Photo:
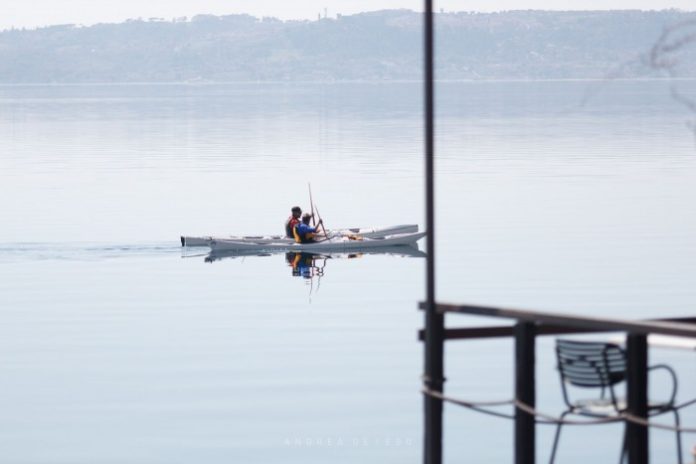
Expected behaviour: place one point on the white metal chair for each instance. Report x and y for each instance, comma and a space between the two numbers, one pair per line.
601, 366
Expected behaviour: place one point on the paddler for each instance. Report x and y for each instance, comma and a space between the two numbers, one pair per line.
293, 221
303, 232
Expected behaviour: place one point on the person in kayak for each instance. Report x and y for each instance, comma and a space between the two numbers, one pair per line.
303, 232
293, 221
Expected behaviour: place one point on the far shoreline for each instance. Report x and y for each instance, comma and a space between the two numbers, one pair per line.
338, 82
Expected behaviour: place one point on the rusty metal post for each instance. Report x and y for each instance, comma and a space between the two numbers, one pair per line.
434, 321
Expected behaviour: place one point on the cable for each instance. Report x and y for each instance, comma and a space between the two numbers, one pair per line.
549, 419
647, 423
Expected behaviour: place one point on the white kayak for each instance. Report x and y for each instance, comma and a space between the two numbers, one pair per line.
338, 244
375, 232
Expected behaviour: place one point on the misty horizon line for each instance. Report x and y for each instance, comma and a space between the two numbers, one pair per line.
320, 17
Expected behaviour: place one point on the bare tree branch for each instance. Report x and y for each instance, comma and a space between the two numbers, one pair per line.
665, 56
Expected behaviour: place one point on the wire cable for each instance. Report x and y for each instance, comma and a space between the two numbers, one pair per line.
548, 419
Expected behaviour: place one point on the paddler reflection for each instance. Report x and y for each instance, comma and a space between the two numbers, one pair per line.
308, 265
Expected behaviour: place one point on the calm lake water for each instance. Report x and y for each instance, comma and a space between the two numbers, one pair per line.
117, 347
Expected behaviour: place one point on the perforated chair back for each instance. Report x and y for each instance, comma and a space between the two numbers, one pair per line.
590, 364
601, 366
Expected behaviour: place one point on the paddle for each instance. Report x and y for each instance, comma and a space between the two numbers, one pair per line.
322, 224
311, 204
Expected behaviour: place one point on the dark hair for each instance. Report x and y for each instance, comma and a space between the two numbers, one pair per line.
296, 209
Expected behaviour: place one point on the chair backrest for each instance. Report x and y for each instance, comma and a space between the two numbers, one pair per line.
590, 364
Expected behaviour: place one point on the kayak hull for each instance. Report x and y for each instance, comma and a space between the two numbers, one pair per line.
338, 244
192, 241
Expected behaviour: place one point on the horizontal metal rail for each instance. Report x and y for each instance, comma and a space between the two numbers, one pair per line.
676, 327
462, 333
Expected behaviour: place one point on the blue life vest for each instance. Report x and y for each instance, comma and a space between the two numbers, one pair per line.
304, 233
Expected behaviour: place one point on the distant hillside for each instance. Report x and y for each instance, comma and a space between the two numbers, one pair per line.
384, 45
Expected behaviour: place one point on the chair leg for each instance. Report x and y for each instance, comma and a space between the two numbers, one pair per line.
556, 438
679, 443
624, 445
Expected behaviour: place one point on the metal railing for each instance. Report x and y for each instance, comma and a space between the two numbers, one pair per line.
528, 325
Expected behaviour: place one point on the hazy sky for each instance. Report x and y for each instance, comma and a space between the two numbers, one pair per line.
33, 13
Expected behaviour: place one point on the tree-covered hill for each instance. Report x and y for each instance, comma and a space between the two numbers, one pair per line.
383, 45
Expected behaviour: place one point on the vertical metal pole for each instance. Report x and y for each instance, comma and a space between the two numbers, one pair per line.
637, 371
434, 322
525, 433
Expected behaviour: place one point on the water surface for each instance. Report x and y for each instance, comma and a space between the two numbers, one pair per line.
118, 348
